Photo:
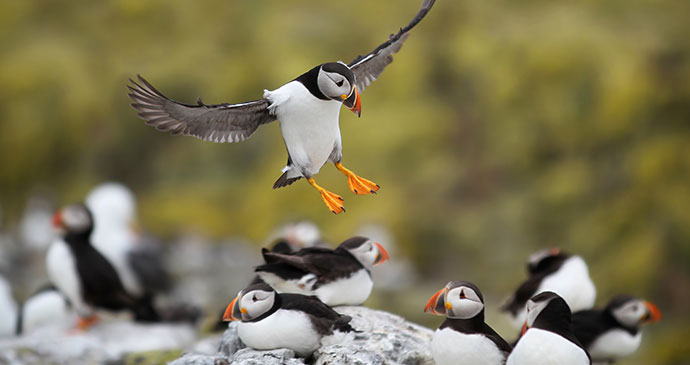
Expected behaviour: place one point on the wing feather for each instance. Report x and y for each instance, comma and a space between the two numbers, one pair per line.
216, 123
369, 67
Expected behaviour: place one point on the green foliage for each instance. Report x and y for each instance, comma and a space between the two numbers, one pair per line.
501, 127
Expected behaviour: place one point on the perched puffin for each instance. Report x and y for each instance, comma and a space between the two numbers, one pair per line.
557, 271
547, 335
270, 320
83, 274
139, 264
614, 332
337, 277
46, 306
464, 337
308, 109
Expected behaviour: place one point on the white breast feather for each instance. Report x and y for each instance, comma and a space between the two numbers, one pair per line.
572, 282
352, 290
62, 270
538, 346
282, 329
8, 309
452, 347
309, 125
44, 308
614, 344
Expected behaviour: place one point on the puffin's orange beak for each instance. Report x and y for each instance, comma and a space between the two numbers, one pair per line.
524, 329
653, 313
382, 256
233, 311
354, 103
435, 305
57, 220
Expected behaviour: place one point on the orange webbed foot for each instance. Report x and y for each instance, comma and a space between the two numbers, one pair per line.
357, 184
84, 323
333, 201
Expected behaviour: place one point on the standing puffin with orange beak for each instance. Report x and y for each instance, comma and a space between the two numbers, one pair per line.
464, 337
308, 109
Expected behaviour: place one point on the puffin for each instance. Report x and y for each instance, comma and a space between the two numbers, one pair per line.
8, 308
84, 275
269, 320
547, 335
557, 271
464, 337
138, 262
337, 277
614, 332
45, 306
308, 108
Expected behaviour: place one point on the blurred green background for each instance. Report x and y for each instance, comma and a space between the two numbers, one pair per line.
501, 128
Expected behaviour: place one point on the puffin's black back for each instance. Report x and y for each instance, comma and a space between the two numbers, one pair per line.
323, 317
100, 284
557, 318
588, 325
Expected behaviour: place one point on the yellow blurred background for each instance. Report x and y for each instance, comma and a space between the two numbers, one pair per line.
501, 128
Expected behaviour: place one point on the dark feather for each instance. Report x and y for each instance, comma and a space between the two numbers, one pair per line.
369, 67
216, 123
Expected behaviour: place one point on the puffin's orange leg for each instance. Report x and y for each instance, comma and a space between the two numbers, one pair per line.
85, 322
358, 185
333, 201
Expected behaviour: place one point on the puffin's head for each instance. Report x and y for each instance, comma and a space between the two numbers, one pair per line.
458, 299
366, 251
632, 312
543, 259
337, 82
73, 219
538, 303
250, 303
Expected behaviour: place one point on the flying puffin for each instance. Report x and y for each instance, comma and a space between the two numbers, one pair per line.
464, 337
547, 335
337, 277
269, 320
83, 274
308, 108
557, 271
614, 332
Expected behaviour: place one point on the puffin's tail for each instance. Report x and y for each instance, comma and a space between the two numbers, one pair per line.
144, 311
284, 180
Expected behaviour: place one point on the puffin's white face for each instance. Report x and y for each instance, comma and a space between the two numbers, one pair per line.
462, 302
369, 253
255, 303
73, 218
334, 85
635, 312
534, 309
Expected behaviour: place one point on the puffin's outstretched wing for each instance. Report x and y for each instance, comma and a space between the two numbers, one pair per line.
215, 123
368, 68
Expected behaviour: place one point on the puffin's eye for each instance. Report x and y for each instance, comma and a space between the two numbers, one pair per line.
254, 298
340, 83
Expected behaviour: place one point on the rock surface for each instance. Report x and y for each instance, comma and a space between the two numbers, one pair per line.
384, 339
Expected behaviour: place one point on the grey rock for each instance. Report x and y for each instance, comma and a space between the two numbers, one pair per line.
384, 338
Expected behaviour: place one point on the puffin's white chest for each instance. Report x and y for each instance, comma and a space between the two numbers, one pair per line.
282, 329
309, 125
538, 346
571, 282
452, 347
44, 308
614, 344
352, 290
62, 270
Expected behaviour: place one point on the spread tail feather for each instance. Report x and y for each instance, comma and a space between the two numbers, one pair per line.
284, 180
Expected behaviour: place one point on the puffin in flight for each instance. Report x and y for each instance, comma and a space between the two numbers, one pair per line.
464, 337
614, 332
308, 108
